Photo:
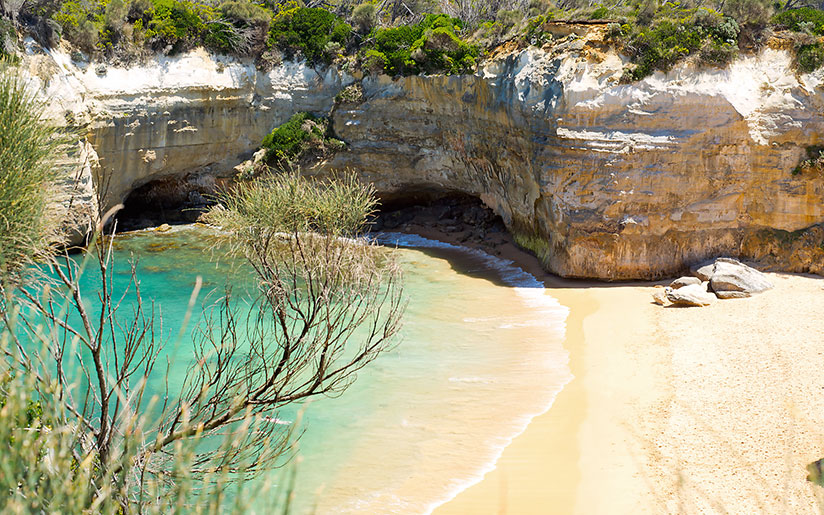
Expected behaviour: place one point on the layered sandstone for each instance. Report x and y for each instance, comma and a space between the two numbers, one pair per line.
600, 179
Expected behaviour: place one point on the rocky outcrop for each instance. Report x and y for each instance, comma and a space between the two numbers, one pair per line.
599, 179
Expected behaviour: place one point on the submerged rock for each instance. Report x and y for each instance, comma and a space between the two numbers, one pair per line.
730, 275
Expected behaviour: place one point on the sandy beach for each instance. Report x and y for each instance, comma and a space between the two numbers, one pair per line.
672, 410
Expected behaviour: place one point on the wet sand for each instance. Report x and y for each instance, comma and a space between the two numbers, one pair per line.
697, 410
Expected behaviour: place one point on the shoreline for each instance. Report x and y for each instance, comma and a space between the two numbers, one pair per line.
515, 276
638, 430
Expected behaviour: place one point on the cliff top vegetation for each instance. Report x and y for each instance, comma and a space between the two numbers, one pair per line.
412, 36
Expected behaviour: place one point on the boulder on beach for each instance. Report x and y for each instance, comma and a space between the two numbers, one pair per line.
690, 295
703, 271
659, 296
684, 281
730, 275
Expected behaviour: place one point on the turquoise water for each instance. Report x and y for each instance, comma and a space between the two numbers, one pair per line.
480, 354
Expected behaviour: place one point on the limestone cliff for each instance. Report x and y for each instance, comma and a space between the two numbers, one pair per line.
600, 179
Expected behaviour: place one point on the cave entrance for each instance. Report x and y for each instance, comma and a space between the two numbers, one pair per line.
442, 215
170, 200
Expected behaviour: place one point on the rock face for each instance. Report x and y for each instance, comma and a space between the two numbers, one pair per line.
177, 116
691, 295
599, 179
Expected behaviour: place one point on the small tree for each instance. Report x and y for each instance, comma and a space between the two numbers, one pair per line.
329, 303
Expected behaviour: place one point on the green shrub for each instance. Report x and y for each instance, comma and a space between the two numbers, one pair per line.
430, 46
81, 21
805, 19
375, 62
28, 145
599, 13
303, 136
308, 31
534, 32
176, 24
677, 33
755, 13
810, 57
244, 12
364, 17
285, 142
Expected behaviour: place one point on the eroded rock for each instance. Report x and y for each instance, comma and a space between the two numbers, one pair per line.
703, 271
690, 295
684, 281
659, 296
730, 275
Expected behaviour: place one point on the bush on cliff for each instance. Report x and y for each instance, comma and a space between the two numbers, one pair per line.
676, 33
301, 138
308, 31
242, 28
431, 46
806, 19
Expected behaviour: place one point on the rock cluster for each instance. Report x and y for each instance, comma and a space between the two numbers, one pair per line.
726, 278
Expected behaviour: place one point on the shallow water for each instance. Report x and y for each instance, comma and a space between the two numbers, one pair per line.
480, 355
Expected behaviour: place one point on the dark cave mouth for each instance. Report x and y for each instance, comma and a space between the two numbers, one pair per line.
181, 200
170, 200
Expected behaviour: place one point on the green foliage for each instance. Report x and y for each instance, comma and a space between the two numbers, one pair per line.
677, 33
286, 141
805, 19
364, 17
534, 32
244, 12
810, 57
289, 203
28, 145
178, 24
307, 31
430, 46
301, 137
754, 13
81, 21
599, 14
375, 62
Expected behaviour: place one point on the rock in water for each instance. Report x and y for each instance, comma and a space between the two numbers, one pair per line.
684, 281
730, 275
690, 295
